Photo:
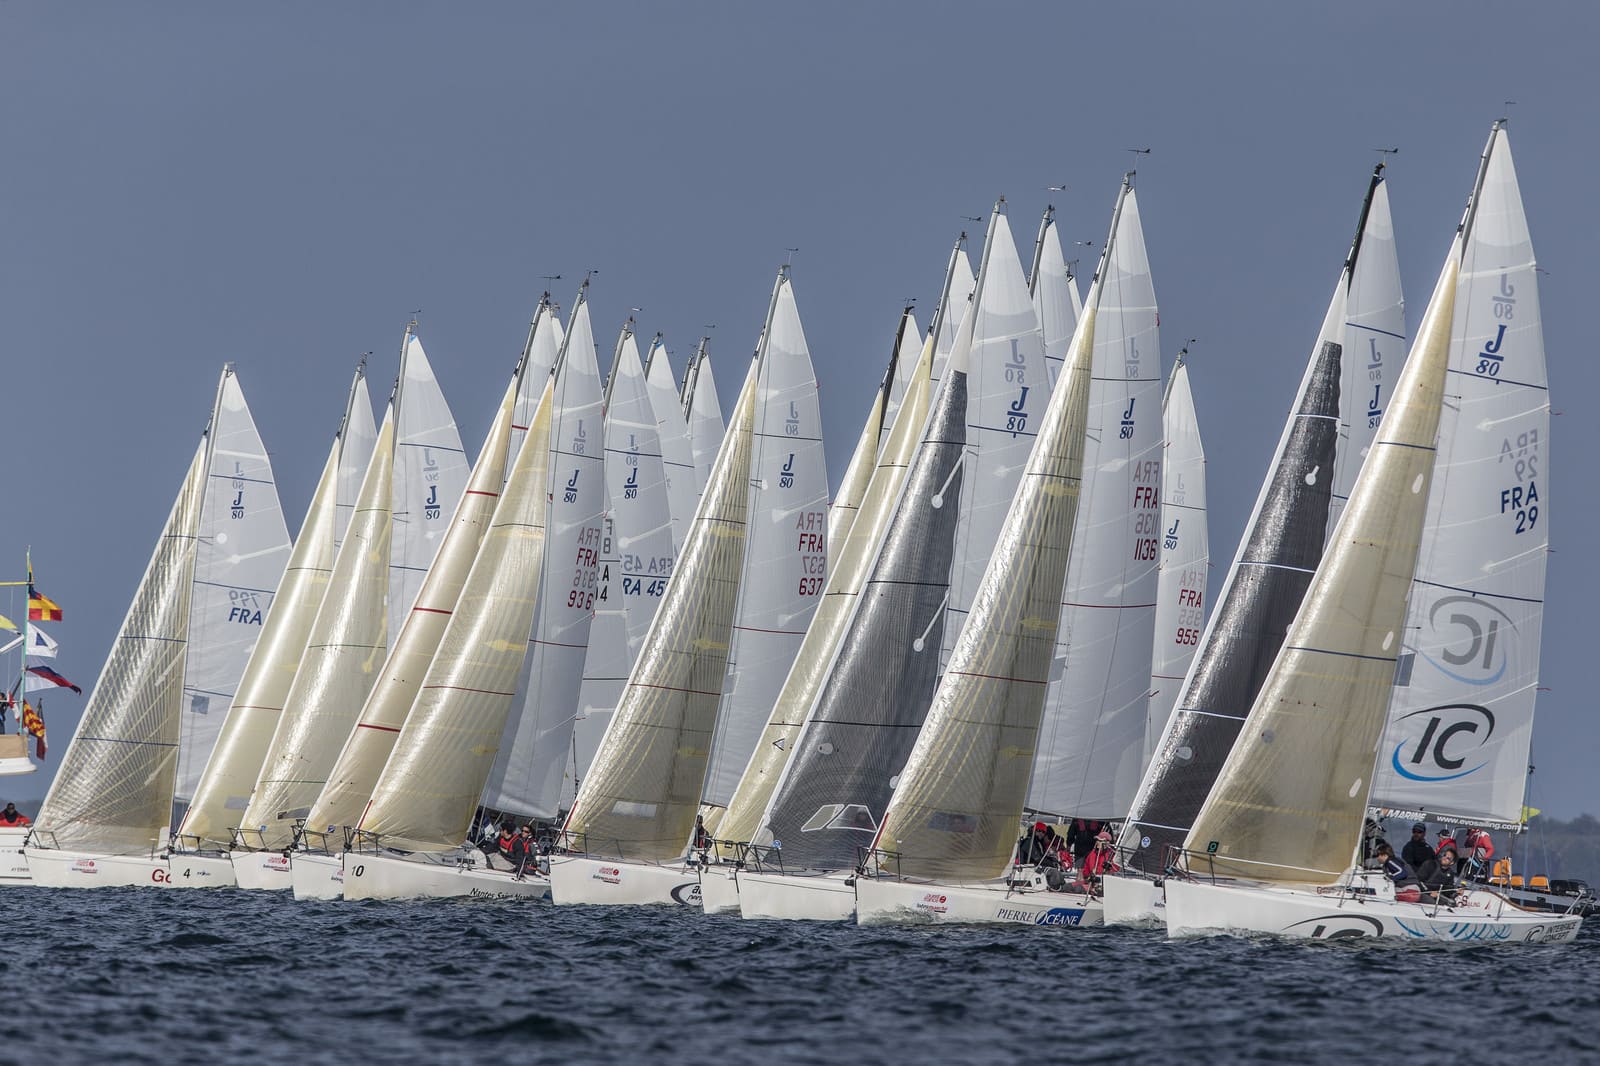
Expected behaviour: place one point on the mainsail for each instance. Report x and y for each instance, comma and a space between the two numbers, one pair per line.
356, 437
537, 745
858, 472
908, 348
430, 785
430, 470
1055, 294
1461, 721
1092, 743
640, 795
636, 545
671, 430
240, 552
956, 297
704, 413
366, 749
1279, 551
223, 792
786, 550
1185, 555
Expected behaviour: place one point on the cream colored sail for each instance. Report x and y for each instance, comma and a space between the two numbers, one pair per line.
907, 350
955, 811
858, 472
742, 817
113, 790
1289, 802
640, 796
344, 654
431, 783
224, 790
366, 749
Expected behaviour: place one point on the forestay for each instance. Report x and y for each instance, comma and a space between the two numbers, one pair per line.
1461, 722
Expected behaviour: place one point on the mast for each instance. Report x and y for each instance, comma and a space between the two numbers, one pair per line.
937, 326
1038, 247
616, 354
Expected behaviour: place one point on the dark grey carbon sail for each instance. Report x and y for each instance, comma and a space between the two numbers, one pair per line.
1282, 548
866, 719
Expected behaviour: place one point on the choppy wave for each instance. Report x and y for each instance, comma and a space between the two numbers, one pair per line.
132, 975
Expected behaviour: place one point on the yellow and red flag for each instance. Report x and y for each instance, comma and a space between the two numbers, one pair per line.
33, 723
42, 608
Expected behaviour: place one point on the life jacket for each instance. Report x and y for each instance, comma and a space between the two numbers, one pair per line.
507, 844
1098, 862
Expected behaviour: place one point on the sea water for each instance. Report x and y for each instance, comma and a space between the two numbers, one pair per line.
131, 975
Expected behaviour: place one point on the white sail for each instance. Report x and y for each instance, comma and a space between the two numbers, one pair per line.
639, 797
705, 419
344, 653
223, 792
636, 546
907, 350
958, 286
814, 661
1092, 742
537, 746
786, 551
671, 430
1055, 295
430, 471
1461, 721
240, 554
864, 459
1374, 343
425, 797
1002, 348
539, 356
1185, 556
355, 772
356, 438
955, 808
113, 790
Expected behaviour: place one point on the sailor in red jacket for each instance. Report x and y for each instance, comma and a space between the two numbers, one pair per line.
10, 818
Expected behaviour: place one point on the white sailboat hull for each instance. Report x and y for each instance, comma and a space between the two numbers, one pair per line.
390, 877
13, 863
611, 882
1133, 901
315, 875
261, 870
1196, 908
719, 889
189, 870
794, 897
56, 868
880, 901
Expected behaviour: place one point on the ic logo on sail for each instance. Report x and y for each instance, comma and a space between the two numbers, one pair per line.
1126, 430
1472, 654
1017, 414
1451, 734
786, 475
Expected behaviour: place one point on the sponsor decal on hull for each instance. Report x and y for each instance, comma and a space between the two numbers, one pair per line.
611, 875
85, 866
687, 894
1337, 927
933, 903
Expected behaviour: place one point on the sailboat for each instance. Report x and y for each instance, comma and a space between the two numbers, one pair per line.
1274, 845
172, 669
316, 863
744, 587
206, 831
637, 549
410, 839
1185, 554
862, 724
947, 835
380, 559
703, 413
1277, 554
738, 824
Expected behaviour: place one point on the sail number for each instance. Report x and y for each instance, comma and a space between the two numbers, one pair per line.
1520, 501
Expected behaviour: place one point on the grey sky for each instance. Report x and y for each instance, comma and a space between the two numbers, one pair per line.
281, 185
